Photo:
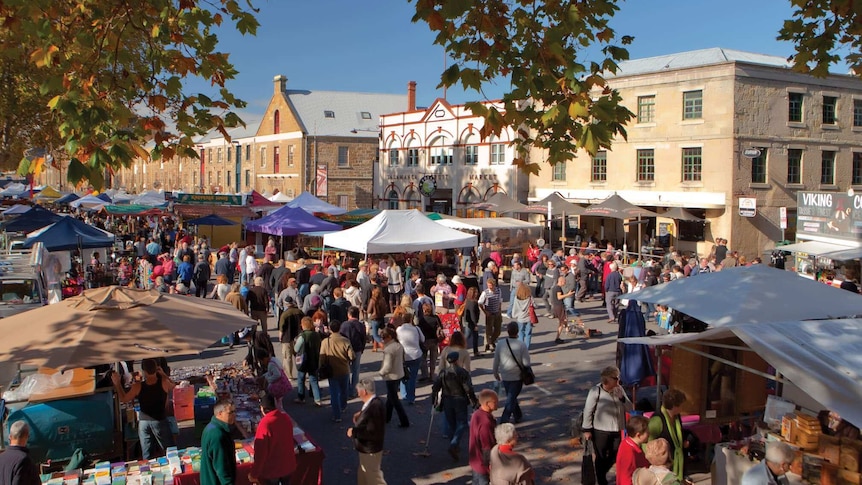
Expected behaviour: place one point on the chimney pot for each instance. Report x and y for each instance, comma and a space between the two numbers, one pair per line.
411, 96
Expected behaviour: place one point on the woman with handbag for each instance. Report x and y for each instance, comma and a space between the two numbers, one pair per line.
392, 371
470, 319
411, 339
604, 419
521, 314
376, 311
277, 383
510, 358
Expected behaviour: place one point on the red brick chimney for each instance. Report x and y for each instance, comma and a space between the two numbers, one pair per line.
411, 96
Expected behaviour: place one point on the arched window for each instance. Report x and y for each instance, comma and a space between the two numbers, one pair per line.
393, 199
441, 151
276, 121
413, 199
471, 150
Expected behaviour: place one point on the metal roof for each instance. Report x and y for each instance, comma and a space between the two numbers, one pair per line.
702, 57
347, 110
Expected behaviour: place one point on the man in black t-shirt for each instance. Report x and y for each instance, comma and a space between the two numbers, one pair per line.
154, 430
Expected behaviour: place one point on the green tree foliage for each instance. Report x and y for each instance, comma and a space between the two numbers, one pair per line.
111, 73
558, 99
820, 29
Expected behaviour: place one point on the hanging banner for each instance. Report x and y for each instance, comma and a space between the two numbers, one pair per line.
222, 199
322, 182
833, 214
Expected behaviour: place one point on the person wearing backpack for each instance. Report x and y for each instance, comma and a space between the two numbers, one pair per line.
307, 349
201, 276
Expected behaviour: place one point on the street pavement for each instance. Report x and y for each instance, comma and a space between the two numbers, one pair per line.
564, 374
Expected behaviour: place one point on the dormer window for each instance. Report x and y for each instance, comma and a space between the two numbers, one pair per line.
365, 115
329, 114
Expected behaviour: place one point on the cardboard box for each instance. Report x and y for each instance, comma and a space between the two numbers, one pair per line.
830, 449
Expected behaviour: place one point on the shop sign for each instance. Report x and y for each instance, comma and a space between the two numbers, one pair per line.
214, 199
831, 214
751, 153
427, 185
782, 217
747, 206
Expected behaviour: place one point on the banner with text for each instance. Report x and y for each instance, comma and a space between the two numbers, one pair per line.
215, 199
830, 214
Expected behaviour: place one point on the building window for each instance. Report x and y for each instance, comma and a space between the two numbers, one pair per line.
393, 200
210, 155
599, 170
692, 164
290, 150
646, 165
794, 107
412, 157
692, 105
218, 178
328, 114
646, 109
829, 103
440, 153
276, 155
248, 178
229, 154
365, 115
343, 156
758, 168
263, 156
218, 155
471, 155
498, 154
857, 169
827, 168
559, 172
276, 122
794, 166
343, 201
393, 157
228, 180
210, 177
857, 112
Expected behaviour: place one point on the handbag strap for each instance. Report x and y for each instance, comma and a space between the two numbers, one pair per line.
521, 367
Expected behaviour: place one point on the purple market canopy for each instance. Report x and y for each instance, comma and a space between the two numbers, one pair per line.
290, 221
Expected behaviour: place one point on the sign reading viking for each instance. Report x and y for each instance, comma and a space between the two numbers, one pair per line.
830, 214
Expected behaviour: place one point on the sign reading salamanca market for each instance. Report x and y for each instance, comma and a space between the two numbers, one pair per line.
831, 214
214, 199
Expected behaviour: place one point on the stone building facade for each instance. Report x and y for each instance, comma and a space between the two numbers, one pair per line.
713, 127
440, 148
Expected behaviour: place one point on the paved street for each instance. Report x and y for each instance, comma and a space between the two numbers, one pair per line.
563, 372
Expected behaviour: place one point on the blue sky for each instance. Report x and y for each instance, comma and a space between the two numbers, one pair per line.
372, 46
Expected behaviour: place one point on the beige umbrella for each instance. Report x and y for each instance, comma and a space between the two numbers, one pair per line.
111, 324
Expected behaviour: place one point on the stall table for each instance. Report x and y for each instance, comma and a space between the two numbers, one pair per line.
309, 471
730, 466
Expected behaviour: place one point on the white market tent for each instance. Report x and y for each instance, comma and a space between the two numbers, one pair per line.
823, 358
398, 231
483, 223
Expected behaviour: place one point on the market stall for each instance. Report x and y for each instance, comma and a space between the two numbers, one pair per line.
505, 234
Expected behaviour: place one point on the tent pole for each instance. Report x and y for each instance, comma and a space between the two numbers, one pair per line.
550, 226
640, 238
658, 377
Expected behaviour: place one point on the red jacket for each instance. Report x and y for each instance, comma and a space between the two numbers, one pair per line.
482, 439
274, 454
630, 457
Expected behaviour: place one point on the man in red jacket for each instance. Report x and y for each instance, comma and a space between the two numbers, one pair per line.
274, 454
482, 437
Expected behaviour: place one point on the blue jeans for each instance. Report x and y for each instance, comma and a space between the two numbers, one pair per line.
525, 333
512, 291
480, 479
375, 327
312, 382
409, 389
354, 373
455, 409
154, 436
569, 303
338, 394
471, 335
512, 409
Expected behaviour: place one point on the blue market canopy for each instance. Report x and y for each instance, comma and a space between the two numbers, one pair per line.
16, 210
104, 197
312, 204
67, 199
211, 220
70, 233
290, 221
36, 218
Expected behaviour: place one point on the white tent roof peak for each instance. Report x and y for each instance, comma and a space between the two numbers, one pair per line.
398, 231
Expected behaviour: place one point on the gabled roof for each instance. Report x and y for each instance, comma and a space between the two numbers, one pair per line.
702, 57
347, 110
237, 133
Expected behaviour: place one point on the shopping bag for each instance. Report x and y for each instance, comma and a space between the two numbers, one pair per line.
588, 466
